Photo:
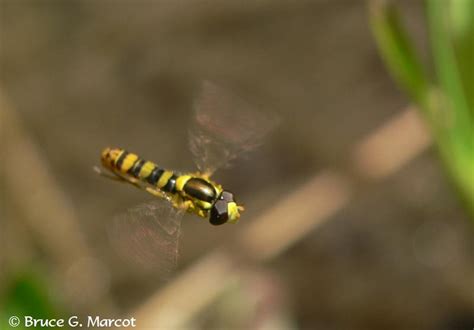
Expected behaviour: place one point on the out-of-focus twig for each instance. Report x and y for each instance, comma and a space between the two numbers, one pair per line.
295, 216
34, 193
380, 154
388, 148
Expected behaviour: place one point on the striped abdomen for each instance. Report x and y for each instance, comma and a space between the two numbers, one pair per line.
126, 163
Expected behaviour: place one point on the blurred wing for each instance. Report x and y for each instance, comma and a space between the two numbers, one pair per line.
148, 235
224, 126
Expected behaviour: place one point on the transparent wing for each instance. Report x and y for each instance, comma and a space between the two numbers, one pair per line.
148, 236
224, 126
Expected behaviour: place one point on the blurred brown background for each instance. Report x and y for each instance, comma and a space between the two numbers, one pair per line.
82, 75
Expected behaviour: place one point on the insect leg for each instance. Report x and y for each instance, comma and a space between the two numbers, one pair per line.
184, 205
118, 177
156, 192
109, 176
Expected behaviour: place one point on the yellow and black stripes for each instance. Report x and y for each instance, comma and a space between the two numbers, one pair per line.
125, 161
119, 160
136, 168
128, 163
154, 176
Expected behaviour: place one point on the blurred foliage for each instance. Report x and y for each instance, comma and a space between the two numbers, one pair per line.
446, 99
27, 295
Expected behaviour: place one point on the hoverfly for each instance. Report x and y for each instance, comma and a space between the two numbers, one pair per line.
223, 127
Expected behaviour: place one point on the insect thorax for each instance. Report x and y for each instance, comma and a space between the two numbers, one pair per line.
199, 190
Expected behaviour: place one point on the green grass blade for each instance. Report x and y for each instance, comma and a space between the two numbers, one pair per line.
444, 57
461, 25
447, 101
456, 134
398, 52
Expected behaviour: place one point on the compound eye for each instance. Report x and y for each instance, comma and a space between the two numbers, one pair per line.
227, 196
219, 213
